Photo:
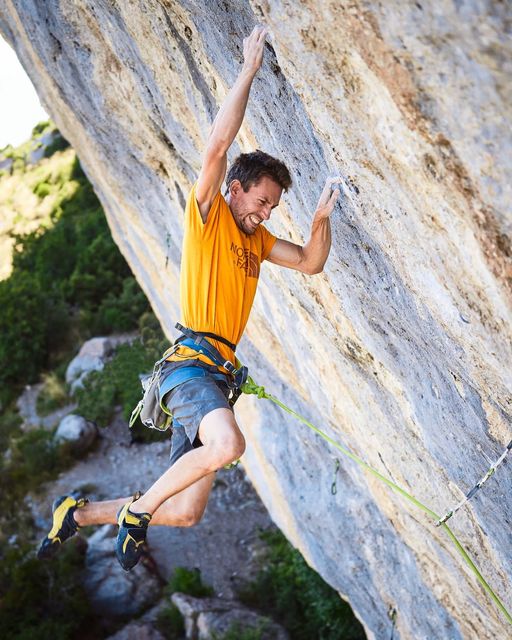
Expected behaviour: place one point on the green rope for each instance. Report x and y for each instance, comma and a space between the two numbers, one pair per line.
250, 387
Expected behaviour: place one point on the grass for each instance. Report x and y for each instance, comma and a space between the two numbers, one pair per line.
53, 394
294, 595
189, 582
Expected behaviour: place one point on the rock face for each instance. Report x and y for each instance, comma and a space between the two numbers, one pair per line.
402, 348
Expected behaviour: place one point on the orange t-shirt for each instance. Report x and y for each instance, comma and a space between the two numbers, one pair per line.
220, 265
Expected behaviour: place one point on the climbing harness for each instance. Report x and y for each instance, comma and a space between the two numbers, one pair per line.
152, 413
477, 486
250, 387
197, 340
152, 409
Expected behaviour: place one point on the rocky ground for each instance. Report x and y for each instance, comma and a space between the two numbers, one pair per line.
224, 547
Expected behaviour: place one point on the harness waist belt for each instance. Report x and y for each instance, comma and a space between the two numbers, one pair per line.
197, 341
190, 333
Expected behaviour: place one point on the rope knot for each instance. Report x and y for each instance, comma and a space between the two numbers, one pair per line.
250, 387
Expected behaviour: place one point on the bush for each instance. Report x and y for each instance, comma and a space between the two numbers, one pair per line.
34, 458
119, 382
41, 127
10, 422
120, 310
288, 590
59, 144
43, 600
42, 189
189, 582
67, 281
28, 313
170, 623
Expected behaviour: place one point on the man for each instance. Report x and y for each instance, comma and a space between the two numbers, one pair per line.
224, 245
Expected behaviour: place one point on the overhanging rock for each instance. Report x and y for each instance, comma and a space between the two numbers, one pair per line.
401, 349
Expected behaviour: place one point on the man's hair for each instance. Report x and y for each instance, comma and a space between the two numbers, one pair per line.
249, 168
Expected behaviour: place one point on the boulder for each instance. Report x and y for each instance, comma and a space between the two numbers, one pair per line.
77, 432
207, 618
91, 357
137, 631
114, 592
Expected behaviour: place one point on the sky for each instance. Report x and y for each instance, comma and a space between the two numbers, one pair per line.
20, 108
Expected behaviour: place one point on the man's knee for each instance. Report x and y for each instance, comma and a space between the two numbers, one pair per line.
189, 518
169, 515
221, 435
226, 448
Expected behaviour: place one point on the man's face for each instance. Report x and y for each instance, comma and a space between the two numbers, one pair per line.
251, 208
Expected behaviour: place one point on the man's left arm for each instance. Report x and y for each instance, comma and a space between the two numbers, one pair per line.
312, 256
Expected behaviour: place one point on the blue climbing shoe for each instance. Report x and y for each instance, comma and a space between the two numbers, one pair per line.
131, 537
63, 525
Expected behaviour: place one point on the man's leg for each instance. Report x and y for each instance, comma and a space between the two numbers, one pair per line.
170, 500
181, 510
223, 443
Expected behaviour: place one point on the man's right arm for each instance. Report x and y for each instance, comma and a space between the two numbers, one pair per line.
227, 123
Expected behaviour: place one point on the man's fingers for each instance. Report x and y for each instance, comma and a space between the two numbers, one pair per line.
263, 34
330, 194
258, 33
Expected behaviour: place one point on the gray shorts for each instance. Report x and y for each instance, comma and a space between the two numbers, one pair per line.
189, 402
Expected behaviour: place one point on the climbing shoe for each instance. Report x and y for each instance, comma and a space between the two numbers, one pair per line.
63, 526
131, 537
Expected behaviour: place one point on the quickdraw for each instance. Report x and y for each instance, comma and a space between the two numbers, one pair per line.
477, 486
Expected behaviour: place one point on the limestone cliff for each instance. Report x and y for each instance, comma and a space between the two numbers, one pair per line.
401, 349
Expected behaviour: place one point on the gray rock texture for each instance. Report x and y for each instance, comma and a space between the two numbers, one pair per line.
91, 357
207, 618
77, 432
27, 407
114, 592
401, 349
138, 631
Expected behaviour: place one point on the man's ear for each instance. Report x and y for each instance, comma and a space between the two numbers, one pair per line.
235, 187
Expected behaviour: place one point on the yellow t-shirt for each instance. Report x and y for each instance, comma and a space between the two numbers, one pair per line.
220, 265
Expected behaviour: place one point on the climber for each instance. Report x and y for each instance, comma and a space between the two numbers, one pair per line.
224, 245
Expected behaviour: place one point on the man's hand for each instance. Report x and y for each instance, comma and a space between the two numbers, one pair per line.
327, 200
253, 49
